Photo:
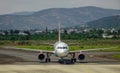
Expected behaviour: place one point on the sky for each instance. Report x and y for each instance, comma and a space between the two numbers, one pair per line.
11, 6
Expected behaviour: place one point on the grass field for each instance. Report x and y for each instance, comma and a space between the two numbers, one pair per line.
72, 48
116, 56
73, 44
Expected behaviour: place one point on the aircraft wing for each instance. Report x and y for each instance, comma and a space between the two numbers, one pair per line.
28, 49
40, 51
46, 51
86, 50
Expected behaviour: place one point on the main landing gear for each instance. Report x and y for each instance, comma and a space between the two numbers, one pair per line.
48, 58
73, 59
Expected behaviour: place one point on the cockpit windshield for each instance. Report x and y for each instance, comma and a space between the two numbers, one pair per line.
62, 48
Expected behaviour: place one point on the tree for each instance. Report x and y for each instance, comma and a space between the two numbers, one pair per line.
6, 32
16, 31
119, 31
11, 32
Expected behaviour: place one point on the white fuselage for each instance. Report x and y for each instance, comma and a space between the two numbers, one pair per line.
61, 49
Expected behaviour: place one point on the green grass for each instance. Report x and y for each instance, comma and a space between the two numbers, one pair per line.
77, 44
72, 48
82, 42
117, 56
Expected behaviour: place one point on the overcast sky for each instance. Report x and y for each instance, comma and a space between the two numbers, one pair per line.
10, 6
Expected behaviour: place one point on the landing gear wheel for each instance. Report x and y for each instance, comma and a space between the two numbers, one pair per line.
47, 60
73, 60
61, 61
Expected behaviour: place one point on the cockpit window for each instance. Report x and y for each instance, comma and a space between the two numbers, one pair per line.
59, 48
62, 48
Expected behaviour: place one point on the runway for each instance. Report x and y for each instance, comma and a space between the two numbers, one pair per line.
27, 62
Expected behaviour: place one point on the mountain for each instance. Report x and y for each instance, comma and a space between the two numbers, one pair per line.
22, 13
106, 22
50, 17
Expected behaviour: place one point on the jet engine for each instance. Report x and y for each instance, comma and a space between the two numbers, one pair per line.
41, 56
81, 56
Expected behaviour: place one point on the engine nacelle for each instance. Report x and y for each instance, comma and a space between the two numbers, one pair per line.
41, 56
81, 56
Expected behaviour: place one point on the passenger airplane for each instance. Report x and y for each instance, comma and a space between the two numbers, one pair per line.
61, 50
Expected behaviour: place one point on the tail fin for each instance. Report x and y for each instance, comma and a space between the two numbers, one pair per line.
59, 39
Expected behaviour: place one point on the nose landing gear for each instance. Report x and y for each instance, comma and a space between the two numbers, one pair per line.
65, 61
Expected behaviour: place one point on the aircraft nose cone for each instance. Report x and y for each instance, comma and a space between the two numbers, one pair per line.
62, 53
